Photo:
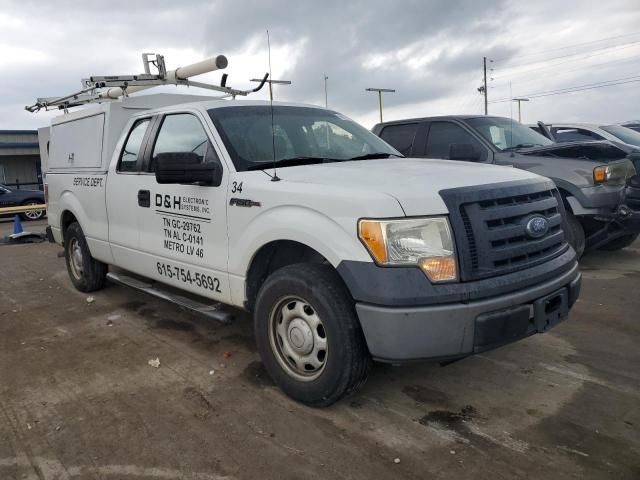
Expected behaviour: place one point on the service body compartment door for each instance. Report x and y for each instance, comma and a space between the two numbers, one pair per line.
77, 144
181, 229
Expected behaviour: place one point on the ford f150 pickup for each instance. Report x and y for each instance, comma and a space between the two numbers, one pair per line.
343, 250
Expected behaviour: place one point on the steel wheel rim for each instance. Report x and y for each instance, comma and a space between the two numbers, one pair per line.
75, 259
298, 338
33, 214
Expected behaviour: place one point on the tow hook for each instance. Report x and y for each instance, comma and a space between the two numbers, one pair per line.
624, 211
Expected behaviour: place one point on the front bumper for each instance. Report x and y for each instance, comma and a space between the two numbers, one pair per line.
455, 330
631, 208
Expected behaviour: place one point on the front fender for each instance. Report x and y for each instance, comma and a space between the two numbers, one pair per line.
329, 238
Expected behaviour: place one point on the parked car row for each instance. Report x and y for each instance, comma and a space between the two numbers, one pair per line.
633, 125
593, 167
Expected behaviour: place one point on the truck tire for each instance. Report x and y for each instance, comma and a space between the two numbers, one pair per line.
620, 242
34, 214
308, 334
87, 274
575, 234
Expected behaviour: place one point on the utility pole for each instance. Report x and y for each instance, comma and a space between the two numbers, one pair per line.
380, 90
271, 82
519, 100
326, 98
484, 91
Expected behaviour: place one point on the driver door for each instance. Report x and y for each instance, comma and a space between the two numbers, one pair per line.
182, 227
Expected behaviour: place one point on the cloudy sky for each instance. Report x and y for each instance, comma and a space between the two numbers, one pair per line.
429, 51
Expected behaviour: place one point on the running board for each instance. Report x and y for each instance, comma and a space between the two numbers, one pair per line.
152, 288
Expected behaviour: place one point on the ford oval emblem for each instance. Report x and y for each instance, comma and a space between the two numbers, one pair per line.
537, 227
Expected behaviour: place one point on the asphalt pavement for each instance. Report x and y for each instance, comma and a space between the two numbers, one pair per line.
79, 399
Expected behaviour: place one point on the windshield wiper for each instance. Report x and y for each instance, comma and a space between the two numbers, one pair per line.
368, 156
290, 162
521, 145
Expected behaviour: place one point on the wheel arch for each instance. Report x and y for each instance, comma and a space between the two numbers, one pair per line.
66, 218
272, 256
565, 194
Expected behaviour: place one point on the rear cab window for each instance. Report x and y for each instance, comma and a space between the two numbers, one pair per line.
400, 136
128, 161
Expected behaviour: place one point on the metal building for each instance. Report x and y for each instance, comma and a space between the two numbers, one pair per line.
20, 159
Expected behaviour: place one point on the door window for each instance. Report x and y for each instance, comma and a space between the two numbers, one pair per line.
129, 157
400, 136
183, 133
443, 134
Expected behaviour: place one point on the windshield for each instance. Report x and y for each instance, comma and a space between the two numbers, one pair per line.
507, 134
302, 133
623, 133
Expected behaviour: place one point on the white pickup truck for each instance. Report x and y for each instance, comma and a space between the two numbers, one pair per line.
343, 250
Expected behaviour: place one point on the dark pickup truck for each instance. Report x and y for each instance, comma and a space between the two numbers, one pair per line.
597, 180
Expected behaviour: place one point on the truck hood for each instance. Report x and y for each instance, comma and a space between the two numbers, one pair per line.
414, 183
599, 150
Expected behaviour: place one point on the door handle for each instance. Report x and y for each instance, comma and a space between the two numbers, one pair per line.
144, 198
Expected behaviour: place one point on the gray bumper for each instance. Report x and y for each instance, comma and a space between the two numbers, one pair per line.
459, 329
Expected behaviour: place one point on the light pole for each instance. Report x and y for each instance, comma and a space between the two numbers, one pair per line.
271, 82
326, 98
519, 100
380, 90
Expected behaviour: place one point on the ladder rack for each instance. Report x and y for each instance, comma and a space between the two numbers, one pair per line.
98, 89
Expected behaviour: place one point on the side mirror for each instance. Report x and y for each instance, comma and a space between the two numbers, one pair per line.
186, 167
463, 151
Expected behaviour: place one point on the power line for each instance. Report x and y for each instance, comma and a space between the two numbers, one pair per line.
564, 72
572, 46
542, 94
590, 55
576, 88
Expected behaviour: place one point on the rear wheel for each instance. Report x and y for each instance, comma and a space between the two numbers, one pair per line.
87, 274
32, 214
576, 237
620, 242
308, 334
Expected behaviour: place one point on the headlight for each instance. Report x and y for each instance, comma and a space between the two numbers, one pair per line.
423, 242
613, 174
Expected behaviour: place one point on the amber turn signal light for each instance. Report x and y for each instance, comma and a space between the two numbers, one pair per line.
371, 235
441, 269
599, 174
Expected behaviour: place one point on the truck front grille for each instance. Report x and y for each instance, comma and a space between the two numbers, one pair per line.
490, 225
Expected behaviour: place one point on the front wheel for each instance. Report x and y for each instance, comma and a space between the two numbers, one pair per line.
87, 274
576, 236
308, 334
620, 242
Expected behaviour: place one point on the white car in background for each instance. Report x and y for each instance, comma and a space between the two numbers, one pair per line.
574, 132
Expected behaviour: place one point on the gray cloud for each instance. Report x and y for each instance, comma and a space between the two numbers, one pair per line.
429, 51
341, 36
